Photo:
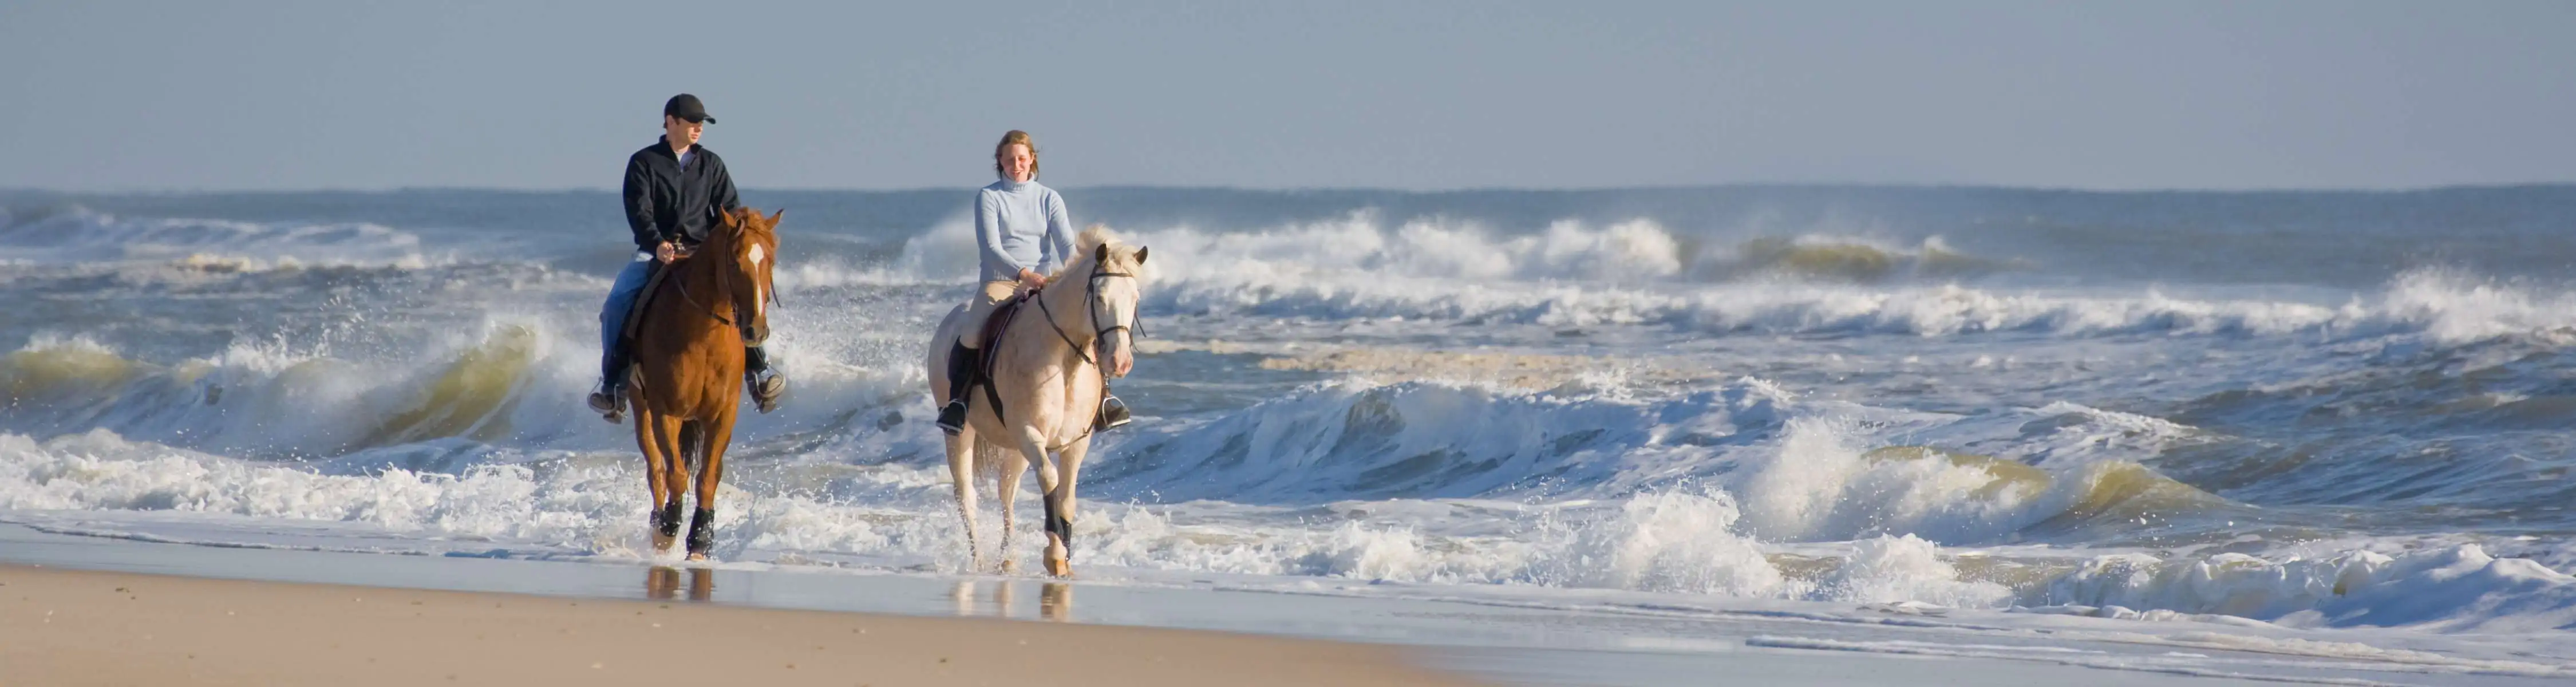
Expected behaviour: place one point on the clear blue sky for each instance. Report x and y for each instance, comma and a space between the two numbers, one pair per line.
106, 95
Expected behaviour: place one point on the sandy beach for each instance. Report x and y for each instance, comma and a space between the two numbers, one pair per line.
66, 627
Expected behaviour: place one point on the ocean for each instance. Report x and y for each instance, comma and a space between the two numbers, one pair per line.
2310, 409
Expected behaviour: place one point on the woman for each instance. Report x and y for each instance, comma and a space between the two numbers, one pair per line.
1022, 235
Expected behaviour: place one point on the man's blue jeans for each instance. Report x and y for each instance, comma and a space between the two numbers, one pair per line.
621, 298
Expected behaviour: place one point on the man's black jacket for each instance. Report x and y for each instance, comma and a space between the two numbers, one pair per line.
667, 203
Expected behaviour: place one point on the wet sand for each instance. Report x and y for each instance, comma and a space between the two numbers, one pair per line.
71, 627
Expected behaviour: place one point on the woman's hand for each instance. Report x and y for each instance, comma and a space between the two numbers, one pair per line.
1031, 280
666, 252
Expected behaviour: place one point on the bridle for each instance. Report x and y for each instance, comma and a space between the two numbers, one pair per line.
1091, 303
724, 281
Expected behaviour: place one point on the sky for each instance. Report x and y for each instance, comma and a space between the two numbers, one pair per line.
108, 95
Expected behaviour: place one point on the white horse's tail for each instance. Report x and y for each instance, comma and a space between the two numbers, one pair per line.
988, 463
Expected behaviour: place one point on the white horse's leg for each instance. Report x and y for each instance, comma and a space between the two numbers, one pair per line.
1059, 555
1033, 443
961, 467
1006, 486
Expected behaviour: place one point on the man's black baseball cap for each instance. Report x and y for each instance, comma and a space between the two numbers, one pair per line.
687, 107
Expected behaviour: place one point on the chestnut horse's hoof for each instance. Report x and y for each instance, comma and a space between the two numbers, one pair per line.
697, 557
662, 542
1010, 567
1059, 567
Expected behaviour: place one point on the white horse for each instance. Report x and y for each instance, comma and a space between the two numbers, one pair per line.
1048, 370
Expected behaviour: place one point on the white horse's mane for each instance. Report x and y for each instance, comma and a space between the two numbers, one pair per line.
1122, 257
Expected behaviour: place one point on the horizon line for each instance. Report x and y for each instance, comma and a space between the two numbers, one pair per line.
1341, 189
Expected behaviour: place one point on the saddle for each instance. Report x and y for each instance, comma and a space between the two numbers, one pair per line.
994, 325
643, 299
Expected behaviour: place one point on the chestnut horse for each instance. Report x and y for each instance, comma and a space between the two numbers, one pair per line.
686, 381
1050, 382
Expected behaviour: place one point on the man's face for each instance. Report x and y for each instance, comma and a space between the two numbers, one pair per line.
682, 131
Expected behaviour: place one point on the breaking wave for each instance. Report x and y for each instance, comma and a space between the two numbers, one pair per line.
77, 234
514, 382
1638, 273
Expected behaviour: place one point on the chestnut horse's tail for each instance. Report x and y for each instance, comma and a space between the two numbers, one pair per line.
693, 445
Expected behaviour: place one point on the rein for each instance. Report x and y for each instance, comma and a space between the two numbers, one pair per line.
1091, 303
702, 307
723, 281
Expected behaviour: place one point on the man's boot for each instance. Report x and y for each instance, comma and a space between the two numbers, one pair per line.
961, 379
610, 399
766, 383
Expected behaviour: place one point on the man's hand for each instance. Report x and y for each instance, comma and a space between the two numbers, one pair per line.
1030, 279
666, 252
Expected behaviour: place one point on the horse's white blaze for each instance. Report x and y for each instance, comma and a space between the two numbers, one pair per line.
759, 296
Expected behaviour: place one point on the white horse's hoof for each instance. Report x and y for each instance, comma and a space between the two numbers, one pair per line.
1058, 565
1011, 567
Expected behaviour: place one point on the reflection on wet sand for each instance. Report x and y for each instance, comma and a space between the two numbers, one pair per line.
1055, 602
663, 582
993, 599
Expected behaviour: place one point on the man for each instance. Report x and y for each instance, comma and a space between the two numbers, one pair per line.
675, 191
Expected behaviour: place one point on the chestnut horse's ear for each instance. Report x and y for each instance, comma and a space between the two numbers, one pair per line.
773, 217
1140, 254
1101, 255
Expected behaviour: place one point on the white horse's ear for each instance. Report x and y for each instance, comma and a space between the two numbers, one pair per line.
1102, 254
1140, 254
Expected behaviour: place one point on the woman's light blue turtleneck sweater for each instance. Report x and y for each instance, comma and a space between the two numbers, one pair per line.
1021, 225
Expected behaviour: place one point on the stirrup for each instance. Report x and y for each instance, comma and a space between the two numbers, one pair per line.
766, 388
952, 417
610, 403
1113, 414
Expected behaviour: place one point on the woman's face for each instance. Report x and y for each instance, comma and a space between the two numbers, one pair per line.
1016, 162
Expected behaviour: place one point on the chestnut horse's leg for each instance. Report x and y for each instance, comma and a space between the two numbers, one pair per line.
661, 455
961, 470
714, 435
677, 443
